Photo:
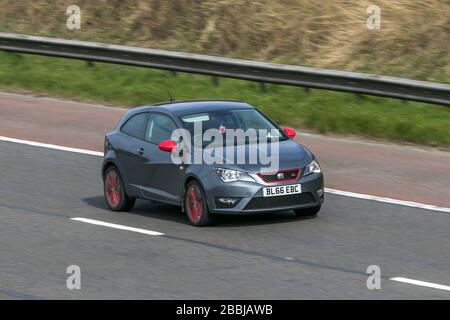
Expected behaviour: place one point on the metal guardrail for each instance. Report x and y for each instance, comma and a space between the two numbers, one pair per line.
233, 68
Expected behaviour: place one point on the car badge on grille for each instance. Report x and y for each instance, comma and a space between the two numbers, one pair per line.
280, 176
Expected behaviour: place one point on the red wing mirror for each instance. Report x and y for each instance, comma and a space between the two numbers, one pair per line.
168, 145
289, 132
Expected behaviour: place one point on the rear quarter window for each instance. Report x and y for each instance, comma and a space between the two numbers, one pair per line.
135, 126
160, 127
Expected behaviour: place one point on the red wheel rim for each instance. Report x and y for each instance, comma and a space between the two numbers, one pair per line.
112, 189
194, 203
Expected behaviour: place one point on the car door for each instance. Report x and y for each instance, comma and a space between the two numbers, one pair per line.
160, 177
129, 148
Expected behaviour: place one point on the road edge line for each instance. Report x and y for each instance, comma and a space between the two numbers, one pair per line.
387, 200
421, 283
51, 146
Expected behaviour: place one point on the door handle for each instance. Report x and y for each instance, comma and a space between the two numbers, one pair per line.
140, 151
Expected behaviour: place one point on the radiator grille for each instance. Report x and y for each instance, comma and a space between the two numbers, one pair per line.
280, 201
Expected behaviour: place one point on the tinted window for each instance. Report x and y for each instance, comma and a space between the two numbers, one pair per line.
230, 119
135, 126
159, 128
244, 119
252, 119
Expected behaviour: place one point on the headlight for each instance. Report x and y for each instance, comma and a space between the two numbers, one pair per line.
233, 175
313, 167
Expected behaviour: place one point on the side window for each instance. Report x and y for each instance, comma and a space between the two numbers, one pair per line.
159, 128
135, 126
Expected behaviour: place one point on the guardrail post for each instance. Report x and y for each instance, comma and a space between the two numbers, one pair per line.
215, 81
263, 87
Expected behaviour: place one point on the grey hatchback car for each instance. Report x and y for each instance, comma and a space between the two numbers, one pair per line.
144, 159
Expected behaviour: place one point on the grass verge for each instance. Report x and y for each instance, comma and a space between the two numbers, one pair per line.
323, 111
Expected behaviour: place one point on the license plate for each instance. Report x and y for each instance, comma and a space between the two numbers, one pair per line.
282, 190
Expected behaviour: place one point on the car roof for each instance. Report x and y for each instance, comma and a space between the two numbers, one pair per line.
182, 108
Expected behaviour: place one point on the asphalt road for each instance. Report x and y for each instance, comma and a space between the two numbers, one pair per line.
274, 256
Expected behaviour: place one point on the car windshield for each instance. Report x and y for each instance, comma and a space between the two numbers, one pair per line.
254, 125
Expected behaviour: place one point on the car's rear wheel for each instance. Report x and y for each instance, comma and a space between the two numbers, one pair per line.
196, 206
115, 196
307, 212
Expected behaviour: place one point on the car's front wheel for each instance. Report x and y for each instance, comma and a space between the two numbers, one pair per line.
307, 212
115, 196
195, 205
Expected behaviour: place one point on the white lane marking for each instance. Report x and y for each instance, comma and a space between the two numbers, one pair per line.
289, 258
51, 146
118, 226
421, 283
387, 200
328, 190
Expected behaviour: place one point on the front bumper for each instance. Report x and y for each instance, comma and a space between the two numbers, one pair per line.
251, 195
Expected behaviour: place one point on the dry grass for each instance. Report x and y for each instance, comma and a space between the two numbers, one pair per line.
414, 39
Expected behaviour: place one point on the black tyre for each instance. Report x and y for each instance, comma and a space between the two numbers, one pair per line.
307, 212
114, 191
195, 205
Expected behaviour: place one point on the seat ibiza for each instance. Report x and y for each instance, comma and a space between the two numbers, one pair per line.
209, 157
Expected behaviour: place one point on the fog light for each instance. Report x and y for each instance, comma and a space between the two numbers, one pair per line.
320, 193
227, 202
